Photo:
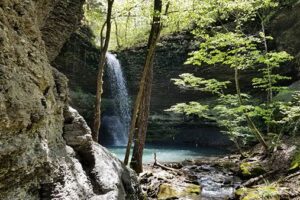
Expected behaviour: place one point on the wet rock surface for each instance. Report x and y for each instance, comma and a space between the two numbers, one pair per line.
216, 183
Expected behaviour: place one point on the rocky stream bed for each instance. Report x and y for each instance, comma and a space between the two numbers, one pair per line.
257, 177
189, 180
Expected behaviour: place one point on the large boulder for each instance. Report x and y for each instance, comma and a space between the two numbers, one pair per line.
109, 177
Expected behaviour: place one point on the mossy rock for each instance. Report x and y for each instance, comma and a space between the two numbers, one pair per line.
270, 192
167, 191
295, 165
193, 189
287, 95
251, 169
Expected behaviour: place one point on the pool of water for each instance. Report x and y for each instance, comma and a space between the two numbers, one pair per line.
170, 154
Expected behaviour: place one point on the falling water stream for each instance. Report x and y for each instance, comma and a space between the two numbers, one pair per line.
118, 124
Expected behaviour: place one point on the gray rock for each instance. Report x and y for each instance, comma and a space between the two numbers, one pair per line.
76, 132
109, 177
35, 162
31, 104
60, 24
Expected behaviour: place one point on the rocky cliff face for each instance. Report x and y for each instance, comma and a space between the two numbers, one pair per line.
78, 59
286, 30
36, 161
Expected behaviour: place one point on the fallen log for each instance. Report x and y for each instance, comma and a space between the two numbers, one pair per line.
290, 176
255, 180
156, 163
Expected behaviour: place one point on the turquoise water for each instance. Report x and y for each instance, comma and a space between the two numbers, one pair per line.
170, 154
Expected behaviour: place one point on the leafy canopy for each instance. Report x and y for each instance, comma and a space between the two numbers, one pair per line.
221, 26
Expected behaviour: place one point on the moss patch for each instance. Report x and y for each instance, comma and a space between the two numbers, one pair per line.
295, 162
267, 192
251, 169
193, 189
166, 191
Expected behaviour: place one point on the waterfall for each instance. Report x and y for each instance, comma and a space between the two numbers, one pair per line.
118, 124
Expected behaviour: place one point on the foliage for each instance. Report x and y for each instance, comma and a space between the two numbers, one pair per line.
289, 112
221, 26
192, 108
189, 81
296, 161
269, 80
214, 13
95, 17
132, 19
230, 117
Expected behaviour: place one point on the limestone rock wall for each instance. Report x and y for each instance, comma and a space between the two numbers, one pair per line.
35, 162
60, 24
171, 54
107, 176
78, 59
31, 104
285, 28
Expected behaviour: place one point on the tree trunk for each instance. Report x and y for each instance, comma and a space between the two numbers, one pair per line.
102, 60
269, 70
235, 141
126, 25
142, 102
140, 136
269, 73
117, 34
251, 124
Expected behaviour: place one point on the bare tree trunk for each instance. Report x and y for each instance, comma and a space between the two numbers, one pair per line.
142, 102
269, 90
102, 60
235, 141
126, 25
117, 34
269, 71
251, 124
140, 136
